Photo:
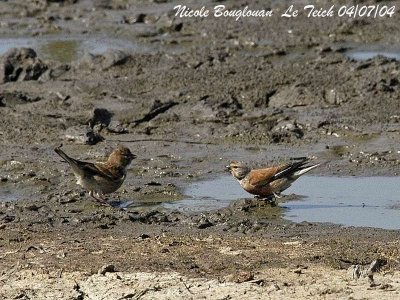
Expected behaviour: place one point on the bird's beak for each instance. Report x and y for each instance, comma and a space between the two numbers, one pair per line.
228, 168
132, 156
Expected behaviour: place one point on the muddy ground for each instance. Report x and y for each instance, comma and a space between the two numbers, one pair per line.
193, 95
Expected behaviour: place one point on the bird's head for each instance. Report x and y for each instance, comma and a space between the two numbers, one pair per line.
238, 169
121, 156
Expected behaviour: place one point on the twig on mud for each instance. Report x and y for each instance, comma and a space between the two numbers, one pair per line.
188, 288
143, 292
77, 288
158, 108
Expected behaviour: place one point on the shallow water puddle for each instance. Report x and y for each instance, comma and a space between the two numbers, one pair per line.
66, 49
368, 54
351, 201
9, 195
209, 195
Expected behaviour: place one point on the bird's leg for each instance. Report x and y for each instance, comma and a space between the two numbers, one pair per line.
277, 195
98, 197
103, 200
269, 199
272, 202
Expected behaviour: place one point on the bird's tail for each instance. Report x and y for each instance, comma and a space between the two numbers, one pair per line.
305, 170
72, 162
295, 170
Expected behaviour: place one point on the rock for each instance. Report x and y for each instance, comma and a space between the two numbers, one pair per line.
263, 101
8, 219
150, 217
244, 204
113, 58
229, 108
33, 207
285, 131
54, 73
103, 61
216, 109
20, 64
240, 277
167, 24
358, 271
293, 96
273, 288
153, 183
100, 116
205, 223
10, 99
138, 18
62, 97
116, 127
334, 97
83, 135
106, 269
87, 60
144, 236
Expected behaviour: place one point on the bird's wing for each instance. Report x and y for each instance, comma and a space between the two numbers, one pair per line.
102, 170
262, 177
83, 168
74, 163
290, 169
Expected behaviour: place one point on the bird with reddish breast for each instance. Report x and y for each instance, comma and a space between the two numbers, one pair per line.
271, 181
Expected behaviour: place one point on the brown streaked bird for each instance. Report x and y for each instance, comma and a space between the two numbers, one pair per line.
271, 181
101, 177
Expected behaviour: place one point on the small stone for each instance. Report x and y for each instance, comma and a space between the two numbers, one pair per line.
106, 269
33, 207
144, 236
8, 218
116, 127
205, 224
298, 271
273, 287
83, 135
20, 64
113, 58
241, 277
153, 183
100, 116
139, 18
